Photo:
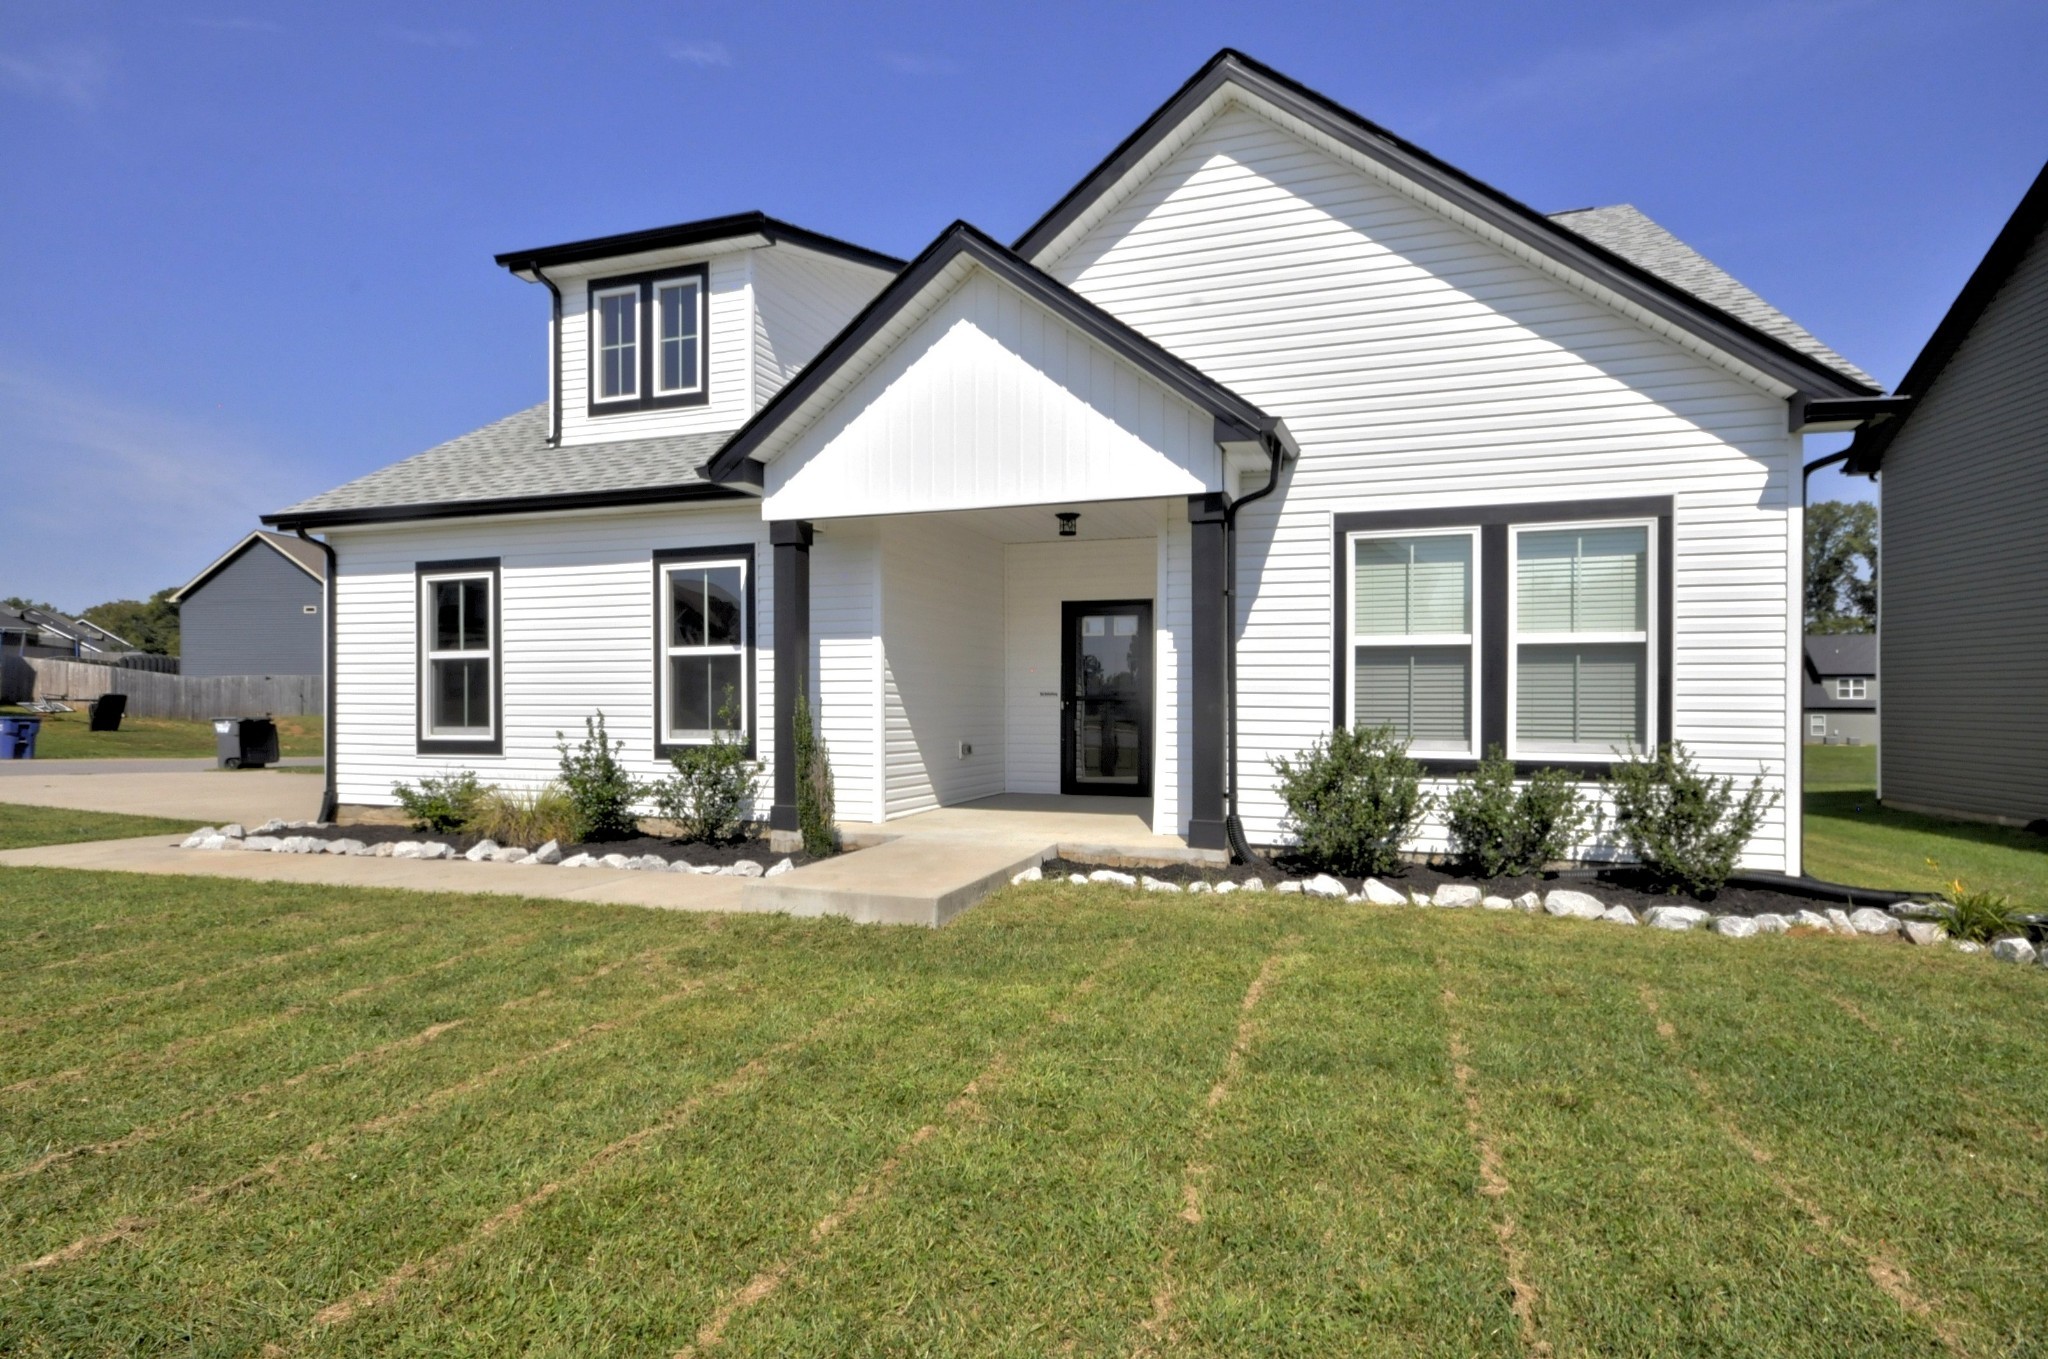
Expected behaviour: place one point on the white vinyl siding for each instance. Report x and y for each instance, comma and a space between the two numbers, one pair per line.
942, 639
1414, 664
1582, 664
1419, 366
801, 301
727, 357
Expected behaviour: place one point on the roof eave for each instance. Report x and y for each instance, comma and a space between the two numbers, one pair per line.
314, 519
680, 235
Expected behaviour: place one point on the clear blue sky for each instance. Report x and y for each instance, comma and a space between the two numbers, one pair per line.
250, 245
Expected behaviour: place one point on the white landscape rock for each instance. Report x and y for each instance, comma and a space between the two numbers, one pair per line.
1417, 899
272, 826
1493, 903
434, 849
1031, 874
1924, 932
264, 843
1195, 889
1528, 901
214, 842
197, 838
1966, 946
1838, 921
1771, 923
1113, 878
1619, 915
1152, 884
1456, 894
1573, 905
1379, 894
1253, 884
788, 865
745, 868
1078, 879
481, 850
1674, 917
407, 849
649, 863
301, 844
346, 846
1323, 885
549, 853
382, 849
1870, 920
1811, 920
233, 830
616, 861
1735, 927
509, 854
2012, 949
1291, 885
1225, 887
578, 861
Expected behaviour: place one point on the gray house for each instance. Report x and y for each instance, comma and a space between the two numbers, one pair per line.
1841, 689
255, 610
1964, 517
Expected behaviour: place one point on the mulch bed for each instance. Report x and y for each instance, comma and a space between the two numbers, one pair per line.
1620, 886
693, 851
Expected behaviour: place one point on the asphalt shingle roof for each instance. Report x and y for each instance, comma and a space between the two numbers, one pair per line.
511, 459
1628, 232
1842, 653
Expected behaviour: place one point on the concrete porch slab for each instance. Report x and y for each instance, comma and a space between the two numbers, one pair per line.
915, 880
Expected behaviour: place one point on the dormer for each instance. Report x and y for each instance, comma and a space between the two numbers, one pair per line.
689, 329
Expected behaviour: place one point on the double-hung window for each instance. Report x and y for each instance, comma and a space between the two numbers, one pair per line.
1581, 615
705, 616
1412, 660
459, 651
648, 340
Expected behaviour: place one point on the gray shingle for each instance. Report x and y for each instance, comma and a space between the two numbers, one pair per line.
1626, 231
1842, 653
511, 458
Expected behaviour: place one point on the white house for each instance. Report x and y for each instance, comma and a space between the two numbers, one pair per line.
1275, 421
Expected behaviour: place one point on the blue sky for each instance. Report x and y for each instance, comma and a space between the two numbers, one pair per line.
250, 244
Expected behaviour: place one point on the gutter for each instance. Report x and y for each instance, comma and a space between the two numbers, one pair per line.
329, 797
1233, 827
555, 358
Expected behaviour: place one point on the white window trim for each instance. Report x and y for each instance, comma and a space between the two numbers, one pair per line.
597, 351
1519, 750
429, 655
1816, 724
695, 283
1468, 639
1843, 689
745, 649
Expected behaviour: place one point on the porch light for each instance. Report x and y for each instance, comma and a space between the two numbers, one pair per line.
1068, 522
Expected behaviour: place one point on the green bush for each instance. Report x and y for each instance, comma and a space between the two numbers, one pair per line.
527, 819
1686, 827
1498, 830
814, 809
599, 789
707, 795
1981, 916
442, 803
1353, 800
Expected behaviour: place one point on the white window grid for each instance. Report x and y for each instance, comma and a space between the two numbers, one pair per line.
628, 344
694, 287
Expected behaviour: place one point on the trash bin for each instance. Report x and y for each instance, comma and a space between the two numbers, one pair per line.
245, 742
18, 737
106, 711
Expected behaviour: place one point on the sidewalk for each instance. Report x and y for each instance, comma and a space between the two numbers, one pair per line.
190, 790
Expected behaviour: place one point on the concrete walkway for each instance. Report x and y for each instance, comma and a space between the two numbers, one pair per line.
203, 794
34, 768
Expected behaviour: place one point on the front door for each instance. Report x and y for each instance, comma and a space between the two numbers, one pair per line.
1106, 697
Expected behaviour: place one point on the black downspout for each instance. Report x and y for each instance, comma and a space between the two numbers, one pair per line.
1819, 463
555, 359
1233, 827
330, 800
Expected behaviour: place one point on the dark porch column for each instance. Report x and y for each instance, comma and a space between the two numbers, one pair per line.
1208, 667
792, 542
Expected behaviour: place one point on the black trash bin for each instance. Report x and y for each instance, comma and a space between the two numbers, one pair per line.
245, 742
107, 711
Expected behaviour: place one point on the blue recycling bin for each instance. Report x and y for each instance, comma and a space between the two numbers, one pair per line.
18, 737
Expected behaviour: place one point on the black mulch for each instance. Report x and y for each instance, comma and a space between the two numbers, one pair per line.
692, 851
1615, 886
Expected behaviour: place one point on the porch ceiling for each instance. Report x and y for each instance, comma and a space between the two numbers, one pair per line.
1099, 519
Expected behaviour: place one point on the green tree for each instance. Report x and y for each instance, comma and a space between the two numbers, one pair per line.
1841, 566
152, 624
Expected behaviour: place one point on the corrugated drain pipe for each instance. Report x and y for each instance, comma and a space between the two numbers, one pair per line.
330, 800
1233, 828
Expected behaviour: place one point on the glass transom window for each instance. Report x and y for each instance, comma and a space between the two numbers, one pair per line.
1581, 655
1413, 664
705, 650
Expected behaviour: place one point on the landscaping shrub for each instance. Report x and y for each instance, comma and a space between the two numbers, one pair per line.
528, 819
1353, 800
1981, 916
1686, 827
814, 810
442, 803
599, 789
707, 795
1498, 830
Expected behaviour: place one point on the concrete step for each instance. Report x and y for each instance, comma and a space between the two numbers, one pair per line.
913, 880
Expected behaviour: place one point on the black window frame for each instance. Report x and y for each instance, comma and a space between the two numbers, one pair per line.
1496, 570
661, 560
424, 744
646, 399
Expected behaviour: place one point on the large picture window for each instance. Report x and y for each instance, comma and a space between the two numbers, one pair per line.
1413, 663
1581, 658
649, 340
459, 657
705, 645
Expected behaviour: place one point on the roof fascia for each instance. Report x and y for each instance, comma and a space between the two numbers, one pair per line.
1460, 196
684, 234
530, 504
226, 559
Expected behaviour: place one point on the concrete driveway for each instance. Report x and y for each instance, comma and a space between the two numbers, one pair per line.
186, 790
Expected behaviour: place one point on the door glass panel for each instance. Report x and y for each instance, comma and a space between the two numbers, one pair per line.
1110, 696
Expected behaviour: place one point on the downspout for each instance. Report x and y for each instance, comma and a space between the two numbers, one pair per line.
1233, 828
1819, 463
330, 800
555, 362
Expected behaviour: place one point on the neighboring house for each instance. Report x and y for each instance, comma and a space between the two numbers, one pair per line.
1275, 421
256, 610
1963, 611
44, 633
1841, 689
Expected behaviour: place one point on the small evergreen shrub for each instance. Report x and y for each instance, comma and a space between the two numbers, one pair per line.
599, 789
1353, 800
1686, 827
1500, 831
814, 809
527, 819
442, 803
707, 795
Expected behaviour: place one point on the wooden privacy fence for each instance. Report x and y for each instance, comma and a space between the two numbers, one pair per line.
157, 695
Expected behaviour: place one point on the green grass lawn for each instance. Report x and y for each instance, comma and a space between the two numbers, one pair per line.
65, 737
21, 826
239, 1118
1851, 838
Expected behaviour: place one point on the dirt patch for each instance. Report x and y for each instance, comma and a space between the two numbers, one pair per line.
690, 851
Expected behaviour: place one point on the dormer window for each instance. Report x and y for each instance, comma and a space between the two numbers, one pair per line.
647, 341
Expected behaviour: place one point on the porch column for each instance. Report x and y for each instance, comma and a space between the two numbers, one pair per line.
1208, 669
791, 539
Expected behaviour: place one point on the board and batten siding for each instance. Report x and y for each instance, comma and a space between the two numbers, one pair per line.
1417, 365
577, 612
1962, 623
846, 665
942, 638
251, 618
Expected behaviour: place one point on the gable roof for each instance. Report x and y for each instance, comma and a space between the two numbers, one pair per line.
509, 467
1817, 372
2015, 239
1841, 653
1236, 418
300, 553
702, 232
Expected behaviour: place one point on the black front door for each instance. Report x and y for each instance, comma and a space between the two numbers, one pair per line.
1106, 697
